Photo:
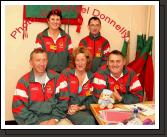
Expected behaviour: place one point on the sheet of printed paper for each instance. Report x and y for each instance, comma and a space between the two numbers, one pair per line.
143, 109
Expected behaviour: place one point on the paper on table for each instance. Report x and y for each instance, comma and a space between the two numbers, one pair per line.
115, 116
143, 109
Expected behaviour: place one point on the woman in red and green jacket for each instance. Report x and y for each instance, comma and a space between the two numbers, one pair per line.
56, 42
77, 81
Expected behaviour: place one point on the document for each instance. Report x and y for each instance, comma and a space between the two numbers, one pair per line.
143, 109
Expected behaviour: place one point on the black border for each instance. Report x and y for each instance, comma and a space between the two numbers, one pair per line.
121, 132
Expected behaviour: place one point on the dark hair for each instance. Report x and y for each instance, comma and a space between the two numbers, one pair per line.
94, 18
37, 50
55, 12
84, 50
116, 52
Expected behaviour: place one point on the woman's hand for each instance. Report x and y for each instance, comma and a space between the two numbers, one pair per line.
72, 109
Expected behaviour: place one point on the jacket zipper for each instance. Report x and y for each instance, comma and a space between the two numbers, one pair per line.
84, 84
94, 47
43, 90
54, 44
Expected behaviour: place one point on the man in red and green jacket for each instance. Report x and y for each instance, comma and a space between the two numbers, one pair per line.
98, 46
122, 81
36, 100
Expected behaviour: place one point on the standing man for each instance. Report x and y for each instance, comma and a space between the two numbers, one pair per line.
36, 100
98, 46
121, 80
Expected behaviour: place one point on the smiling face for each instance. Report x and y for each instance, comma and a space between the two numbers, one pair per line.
39, 62
115, 64
94, 27
54, 22
80, 62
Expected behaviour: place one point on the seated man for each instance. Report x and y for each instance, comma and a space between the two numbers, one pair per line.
121, 80
35, 101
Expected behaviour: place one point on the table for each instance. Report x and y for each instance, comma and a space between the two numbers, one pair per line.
95, 110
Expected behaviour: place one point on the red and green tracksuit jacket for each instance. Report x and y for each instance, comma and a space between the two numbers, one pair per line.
129, 86
33, 103
68, 82
99, 47
59, 53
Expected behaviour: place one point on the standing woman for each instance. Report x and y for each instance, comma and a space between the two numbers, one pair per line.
56, 42
77, 80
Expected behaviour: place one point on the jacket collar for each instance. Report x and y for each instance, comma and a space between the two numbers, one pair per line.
95, 38
32, 76
107, 71
45, 32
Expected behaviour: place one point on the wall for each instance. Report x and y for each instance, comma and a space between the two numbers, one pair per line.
133, 18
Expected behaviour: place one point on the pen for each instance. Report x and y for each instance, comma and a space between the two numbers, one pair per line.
141, 109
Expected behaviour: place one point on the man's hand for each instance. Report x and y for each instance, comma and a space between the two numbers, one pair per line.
49, 122
116, 95
52, 122
43, 122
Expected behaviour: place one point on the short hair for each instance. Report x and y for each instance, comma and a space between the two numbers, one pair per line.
94, 18
55, 12
88, 56
36, 51
116, 52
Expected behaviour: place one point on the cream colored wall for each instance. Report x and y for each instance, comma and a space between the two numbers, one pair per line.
152, 33
17, 50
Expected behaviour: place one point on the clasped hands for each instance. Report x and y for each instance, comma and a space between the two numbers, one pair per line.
72, 109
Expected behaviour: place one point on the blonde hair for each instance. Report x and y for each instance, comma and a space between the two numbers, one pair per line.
85, 51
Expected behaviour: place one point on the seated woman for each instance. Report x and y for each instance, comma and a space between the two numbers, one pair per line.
76, 80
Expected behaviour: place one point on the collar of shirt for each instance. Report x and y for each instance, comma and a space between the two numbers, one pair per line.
85, 79
54, 39
43, 79
115, 77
